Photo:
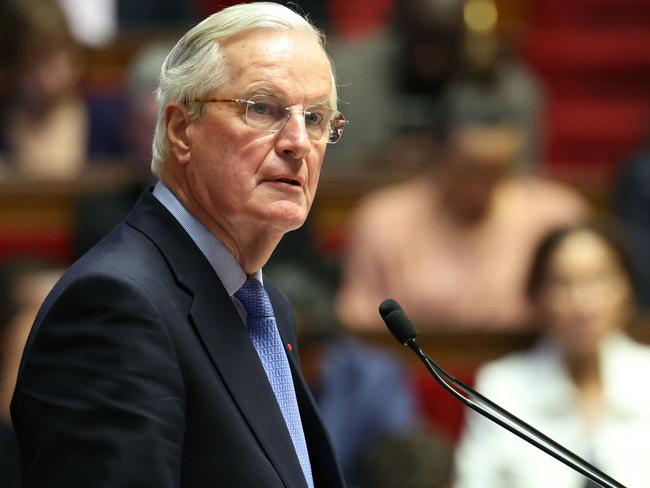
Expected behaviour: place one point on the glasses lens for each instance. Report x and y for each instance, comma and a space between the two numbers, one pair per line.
337, 125
269, 113
265, 112
317, 119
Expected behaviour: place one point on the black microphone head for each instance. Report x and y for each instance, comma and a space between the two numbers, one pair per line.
387, 306
397, 321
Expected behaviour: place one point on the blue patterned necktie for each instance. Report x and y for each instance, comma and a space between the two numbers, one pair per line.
266, 339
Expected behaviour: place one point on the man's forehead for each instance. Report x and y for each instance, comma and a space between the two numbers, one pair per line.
282, 62
271, 47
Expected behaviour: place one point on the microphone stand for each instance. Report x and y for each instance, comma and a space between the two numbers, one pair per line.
508, 421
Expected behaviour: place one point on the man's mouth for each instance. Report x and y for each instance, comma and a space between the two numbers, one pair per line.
289, 181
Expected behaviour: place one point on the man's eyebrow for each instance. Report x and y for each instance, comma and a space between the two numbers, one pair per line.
322, 101
268, 92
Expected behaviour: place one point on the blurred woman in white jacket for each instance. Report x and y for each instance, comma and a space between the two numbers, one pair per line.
582, 384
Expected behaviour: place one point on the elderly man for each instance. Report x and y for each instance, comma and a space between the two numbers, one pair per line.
162, 358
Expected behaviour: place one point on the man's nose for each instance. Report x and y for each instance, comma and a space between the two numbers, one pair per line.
293, 139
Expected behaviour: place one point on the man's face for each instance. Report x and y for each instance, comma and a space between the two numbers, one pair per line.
246, 178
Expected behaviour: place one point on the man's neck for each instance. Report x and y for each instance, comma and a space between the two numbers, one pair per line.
250, 244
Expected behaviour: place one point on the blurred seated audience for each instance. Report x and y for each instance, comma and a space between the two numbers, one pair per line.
632, 204
141, 109
44, 123
492, 75
409, 460
504, 82
579, 384
452, 245
24, 283
363, 46
363, 392
160, 13
93, 23
98, 212
459, 51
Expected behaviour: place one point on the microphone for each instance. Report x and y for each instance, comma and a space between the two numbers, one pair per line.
404, 331
397, 321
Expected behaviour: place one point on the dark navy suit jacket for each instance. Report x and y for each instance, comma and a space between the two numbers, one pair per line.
139, 373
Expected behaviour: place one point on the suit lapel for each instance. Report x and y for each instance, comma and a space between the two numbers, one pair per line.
219, 327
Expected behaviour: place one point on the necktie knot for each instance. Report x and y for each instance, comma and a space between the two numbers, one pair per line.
255, 300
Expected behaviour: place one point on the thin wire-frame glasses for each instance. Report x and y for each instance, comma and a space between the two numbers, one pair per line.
268, 113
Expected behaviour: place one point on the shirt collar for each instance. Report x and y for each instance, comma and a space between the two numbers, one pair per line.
220, 258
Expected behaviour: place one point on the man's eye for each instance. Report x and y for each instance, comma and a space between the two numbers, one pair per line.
263, 108
314, 118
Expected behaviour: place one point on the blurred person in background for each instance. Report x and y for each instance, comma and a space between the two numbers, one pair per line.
93, 23
409, 460
44, 123
457, 50
162, 13
452, 245
491, 76
98, 212
24, 283
364, 49
363, 392
579, 383
141, 109
632, 206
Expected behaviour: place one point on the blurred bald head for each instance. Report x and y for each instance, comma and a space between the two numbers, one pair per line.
478, 157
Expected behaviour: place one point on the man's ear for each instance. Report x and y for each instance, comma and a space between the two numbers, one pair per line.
178, 121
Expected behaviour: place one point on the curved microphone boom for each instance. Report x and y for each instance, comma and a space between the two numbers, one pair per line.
404, 331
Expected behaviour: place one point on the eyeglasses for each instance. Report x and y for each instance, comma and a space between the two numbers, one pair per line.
270, 114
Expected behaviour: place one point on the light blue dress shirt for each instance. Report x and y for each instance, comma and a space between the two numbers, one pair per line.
223, 262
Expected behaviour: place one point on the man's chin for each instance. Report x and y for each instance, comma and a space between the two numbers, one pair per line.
285, 216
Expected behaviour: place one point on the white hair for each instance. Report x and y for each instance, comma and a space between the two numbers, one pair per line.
196, 65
